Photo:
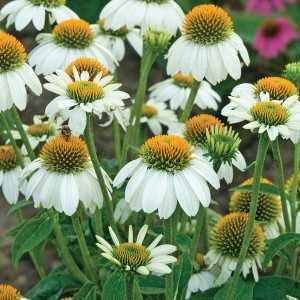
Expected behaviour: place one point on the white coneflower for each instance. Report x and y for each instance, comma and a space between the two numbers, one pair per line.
226, 242
8, 292
63, 175
82, 93
165, 15
178, 88
10, 173
22, 12
122, 211
114, 40
157, 114
68, 41
15, 74
134, 256
268, 209
168, 164
208, 46
263, 114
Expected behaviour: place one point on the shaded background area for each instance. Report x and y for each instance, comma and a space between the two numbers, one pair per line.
246, 25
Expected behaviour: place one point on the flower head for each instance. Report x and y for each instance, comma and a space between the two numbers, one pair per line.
208, 46
226, 242
15, 74
273, 37
8, 292
65, 169
135, 257
79, 94
22, 12
268, 210
168, 163
265, 7
69, 40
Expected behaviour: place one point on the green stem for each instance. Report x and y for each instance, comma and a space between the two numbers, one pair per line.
23, 134
130, 286
117, 140
260, 159
198, 228
67, 258
97, 219
205, 232
281, 183
85, 253
89, 137
11, 139
190, 102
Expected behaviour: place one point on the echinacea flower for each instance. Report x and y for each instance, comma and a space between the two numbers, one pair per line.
222, 149
208, 46
22, 12
258, 105
165, 15
167, 163
268, 209
79, 94
157, 114
8, 292
122, 211
15, 74
68, 41
178, 88
273, 37
226, 242
134, 256
114, 40
10, 173
63, 175
266, 7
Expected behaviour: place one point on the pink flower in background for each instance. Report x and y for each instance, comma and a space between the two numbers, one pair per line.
273, 37
265, 7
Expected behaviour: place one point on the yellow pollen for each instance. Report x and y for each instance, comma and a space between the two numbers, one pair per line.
279, 88
85, 91
8, 158
73, 33
90, 65
195, 128
12, 53
207, 24
149, 111
183, 80
7, 292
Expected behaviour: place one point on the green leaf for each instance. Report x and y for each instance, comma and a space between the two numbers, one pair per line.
19, 205
87, 292
151, 285
31, 234
207, 295
264, 188
278, 244
52, 286
115, 287
184, 242
182, 273
276, 288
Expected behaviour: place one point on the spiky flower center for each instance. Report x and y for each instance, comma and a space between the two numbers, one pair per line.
269, 205
195, 128
270, 113
12, 53
166, 152
76, 34
65, 154
149, 111
207, 24
270, 28
7, 292
222, 144
228, 234
84, 91
48, 3
39, 130
8, 158
121, 32
90, 65
185, 81
279, 88
133, 255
